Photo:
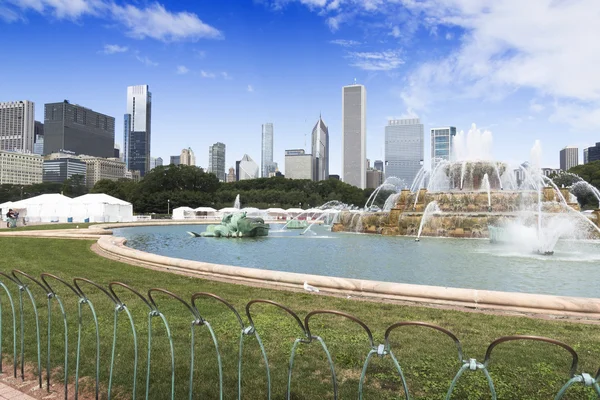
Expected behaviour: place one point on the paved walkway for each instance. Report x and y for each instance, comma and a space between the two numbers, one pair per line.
8, 393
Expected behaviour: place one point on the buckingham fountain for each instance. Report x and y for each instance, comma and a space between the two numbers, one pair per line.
474, 196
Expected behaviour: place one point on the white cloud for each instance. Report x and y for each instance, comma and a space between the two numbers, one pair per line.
449, 36
182, 70
114, 48
209, 75
535, 106
156, 22
582, 116
250, 88
226, 76
344, 42
395, 32
200, 53
376, 61
151, 21
146, 61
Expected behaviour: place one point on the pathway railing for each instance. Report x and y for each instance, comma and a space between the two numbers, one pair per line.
25, 306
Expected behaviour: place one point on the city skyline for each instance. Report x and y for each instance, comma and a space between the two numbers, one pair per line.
414, 64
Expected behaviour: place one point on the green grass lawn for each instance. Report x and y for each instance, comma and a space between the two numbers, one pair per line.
520, 370
46, 227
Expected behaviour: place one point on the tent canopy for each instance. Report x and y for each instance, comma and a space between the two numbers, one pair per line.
48, 198
95, 198
205, 209
295, 210
276, 211
229, 210
184, 208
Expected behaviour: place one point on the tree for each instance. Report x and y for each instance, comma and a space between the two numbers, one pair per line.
74, 186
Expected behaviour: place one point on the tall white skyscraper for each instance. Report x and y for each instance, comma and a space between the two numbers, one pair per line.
404, 149
320, 151
266, 161
569, 157
137, 129
17, 126
354, 135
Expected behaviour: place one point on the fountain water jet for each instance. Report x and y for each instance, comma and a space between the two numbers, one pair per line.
432, 208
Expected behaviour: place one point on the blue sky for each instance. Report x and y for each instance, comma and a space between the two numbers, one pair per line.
219, 69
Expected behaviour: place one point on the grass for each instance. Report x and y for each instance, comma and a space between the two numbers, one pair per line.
48, 227
429, 360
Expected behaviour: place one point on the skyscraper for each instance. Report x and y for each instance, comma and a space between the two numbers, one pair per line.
354, 135
320, 151
216, 160
569, 157
247, 168
378, 165
137, 129
78, 129
266, 161
404, 149
442, 141
17, 126
231, 175
298, 164
586, 155
591, 154
175, 160
187, 157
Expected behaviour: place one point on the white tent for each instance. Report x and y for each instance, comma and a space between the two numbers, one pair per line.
205, 213
228, 210
294, 210
205, 209
182, 212
100, 207
51, 207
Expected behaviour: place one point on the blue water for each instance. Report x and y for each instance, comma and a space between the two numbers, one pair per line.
475, 264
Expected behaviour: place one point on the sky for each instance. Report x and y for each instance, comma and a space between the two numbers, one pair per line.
217, 70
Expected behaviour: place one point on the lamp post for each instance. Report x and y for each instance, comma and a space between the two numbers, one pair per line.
168, 206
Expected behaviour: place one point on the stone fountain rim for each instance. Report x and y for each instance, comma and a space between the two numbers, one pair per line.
378, 290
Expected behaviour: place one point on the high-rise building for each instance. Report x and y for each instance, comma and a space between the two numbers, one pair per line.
298, 164
175, 160
78, 129
20, 168
248, 169
266, 159
569, 157
116, 151
378, 165
374, 178
38, 128
17, 126
320, 151
98, 169
354, 135
442, 142
404, 149
187, 157
137, 129
38, 145
216, 160
59, 170
231, 175
158, 162
591, 154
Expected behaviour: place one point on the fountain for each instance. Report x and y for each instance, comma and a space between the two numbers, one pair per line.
236, 225
236, 203
472, 195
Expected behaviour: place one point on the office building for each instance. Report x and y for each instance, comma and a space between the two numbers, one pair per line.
59, 170
591, 154
237, 170
103, 168
298, 164
17, 126
175, 160
374, 178
378, 165
442, 143
38, 145
133, 175
116, 152
216, 160
38, 128
231, 175
320, 151
137, 129
158, 162
74, 128
247, 168
404, 149
155, 162
187, 157
20, 168
266, 159
354, 135
569, 157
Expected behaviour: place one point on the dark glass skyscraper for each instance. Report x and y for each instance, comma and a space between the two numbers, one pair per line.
77, 129
320, 151
137, 129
